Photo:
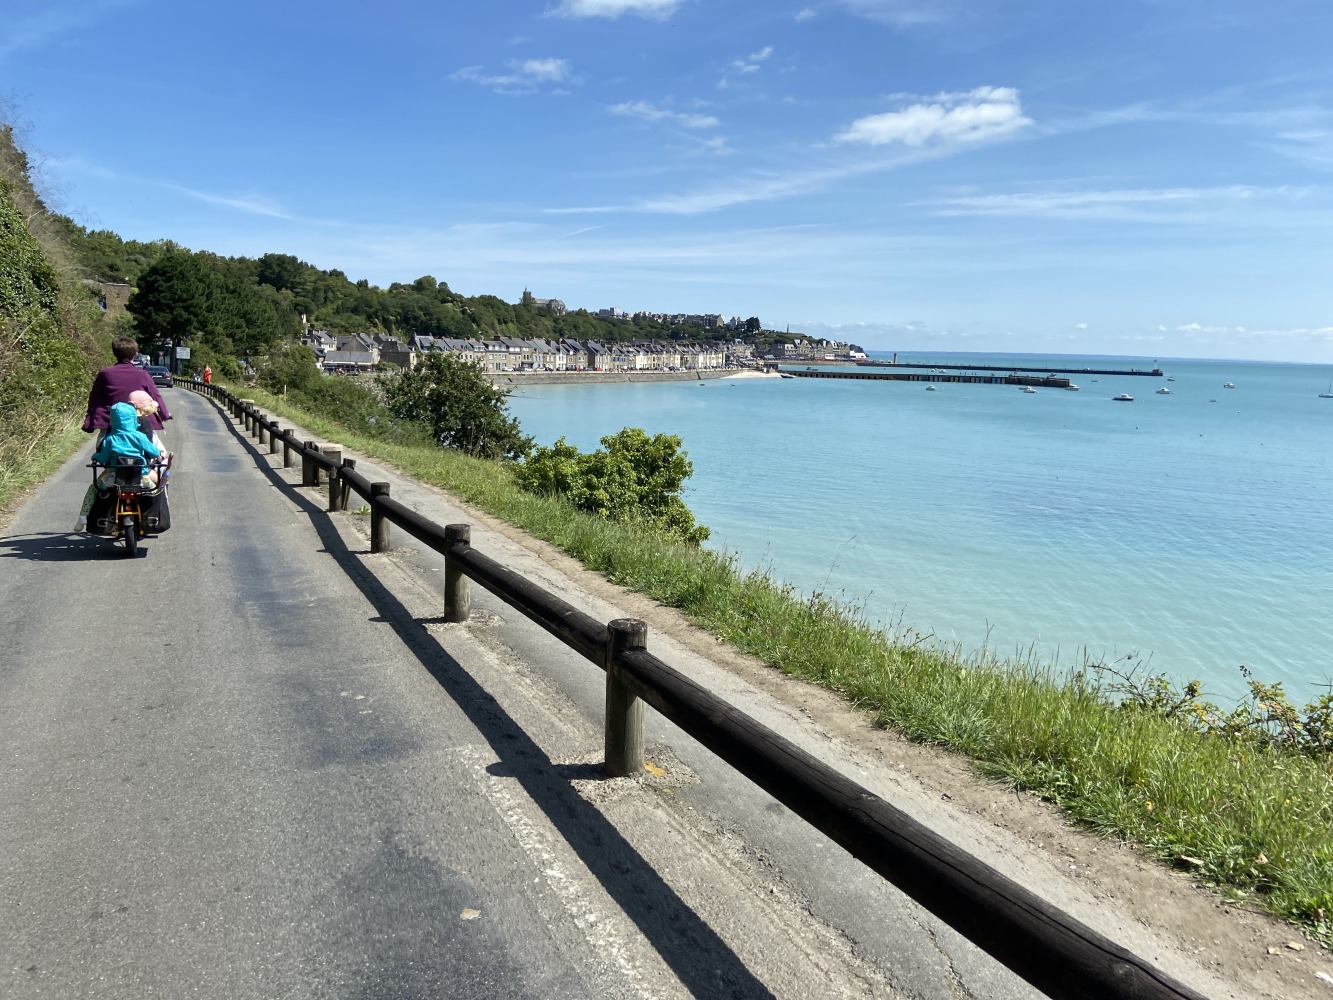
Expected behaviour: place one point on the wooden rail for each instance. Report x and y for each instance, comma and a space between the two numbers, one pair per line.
1056, 953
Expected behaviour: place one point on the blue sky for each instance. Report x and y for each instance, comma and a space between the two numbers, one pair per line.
1148, 177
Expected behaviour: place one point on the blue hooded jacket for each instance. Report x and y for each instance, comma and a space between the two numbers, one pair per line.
125, 438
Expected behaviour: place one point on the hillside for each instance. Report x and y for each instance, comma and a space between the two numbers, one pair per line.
52, 333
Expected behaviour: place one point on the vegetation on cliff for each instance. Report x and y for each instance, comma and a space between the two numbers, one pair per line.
52, 333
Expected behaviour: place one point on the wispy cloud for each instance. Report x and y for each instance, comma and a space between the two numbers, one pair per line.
652, 113
903, 13
250, 204
751, 63
745, 65
805, 14
33, 32
983, 113
656, 9
1137, 205
525, 77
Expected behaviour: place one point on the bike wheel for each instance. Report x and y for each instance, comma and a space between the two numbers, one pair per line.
131, 531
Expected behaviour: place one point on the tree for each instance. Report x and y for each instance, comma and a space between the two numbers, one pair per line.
289, 367
174, 300
462, 409
631, 479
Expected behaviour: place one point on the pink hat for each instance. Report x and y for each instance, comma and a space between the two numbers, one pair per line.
143, 402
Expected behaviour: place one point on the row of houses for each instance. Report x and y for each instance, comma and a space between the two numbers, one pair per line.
508, 354
363, 351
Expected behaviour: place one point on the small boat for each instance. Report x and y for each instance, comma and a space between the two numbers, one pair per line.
1072, 387
786, 375
1124, 397
1170, 378
1228, 385
1329, 394
1028, 388
1163, 391
931, 388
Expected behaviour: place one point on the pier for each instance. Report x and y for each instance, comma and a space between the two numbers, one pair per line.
1155, 372
959, 375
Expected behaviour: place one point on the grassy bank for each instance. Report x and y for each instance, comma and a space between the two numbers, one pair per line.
1250, 816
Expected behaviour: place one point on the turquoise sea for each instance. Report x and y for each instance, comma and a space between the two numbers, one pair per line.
1194, 529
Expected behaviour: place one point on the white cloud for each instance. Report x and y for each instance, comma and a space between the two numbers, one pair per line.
524, 79
751, 63
657, 9
1122, 205
983, 113
545, 69
649, 112
805, 14
1080, 326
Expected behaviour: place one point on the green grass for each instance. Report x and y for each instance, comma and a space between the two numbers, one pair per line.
1250, 817
30, 460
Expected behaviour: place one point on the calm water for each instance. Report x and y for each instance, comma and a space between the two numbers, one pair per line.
1193, 528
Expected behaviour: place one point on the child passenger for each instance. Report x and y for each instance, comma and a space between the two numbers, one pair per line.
145, 406
124, 438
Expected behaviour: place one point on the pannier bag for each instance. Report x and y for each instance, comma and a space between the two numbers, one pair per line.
154, 512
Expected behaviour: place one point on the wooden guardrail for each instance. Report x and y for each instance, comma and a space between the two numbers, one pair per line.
1052, 950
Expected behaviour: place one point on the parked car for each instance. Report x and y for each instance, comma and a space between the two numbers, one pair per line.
160, 375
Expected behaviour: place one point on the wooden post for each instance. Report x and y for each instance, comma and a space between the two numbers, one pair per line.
287, 450
345, 487
263, 427
624, 711
273, 434
379, 524
457, 592
335, 490
247, 409
309, 469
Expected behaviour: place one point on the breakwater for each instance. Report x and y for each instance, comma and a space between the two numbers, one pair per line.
1037, 381
1151, 373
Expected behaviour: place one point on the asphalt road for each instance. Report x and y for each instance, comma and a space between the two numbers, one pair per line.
254, 762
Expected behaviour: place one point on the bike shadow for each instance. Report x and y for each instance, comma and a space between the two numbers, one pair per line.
61, 546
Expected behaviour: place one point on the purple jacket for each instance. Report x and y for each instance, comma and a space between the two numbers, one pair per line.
114, 385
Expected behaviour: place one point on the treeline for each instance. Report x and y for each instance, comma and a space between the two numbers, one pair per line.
232, 307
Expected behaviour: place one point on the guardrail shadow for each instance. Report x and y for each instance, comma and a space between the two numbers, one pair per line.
703, 962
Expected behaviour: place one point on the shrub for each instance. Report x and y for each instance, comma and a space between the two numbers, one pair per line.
631, 479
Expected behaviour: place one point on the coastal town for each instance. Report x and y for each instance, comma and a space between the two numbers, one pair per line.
371, 351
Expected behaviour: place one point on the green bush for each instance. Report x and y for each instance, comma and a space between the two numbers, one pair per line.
27, 280
462, 409
631, 479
